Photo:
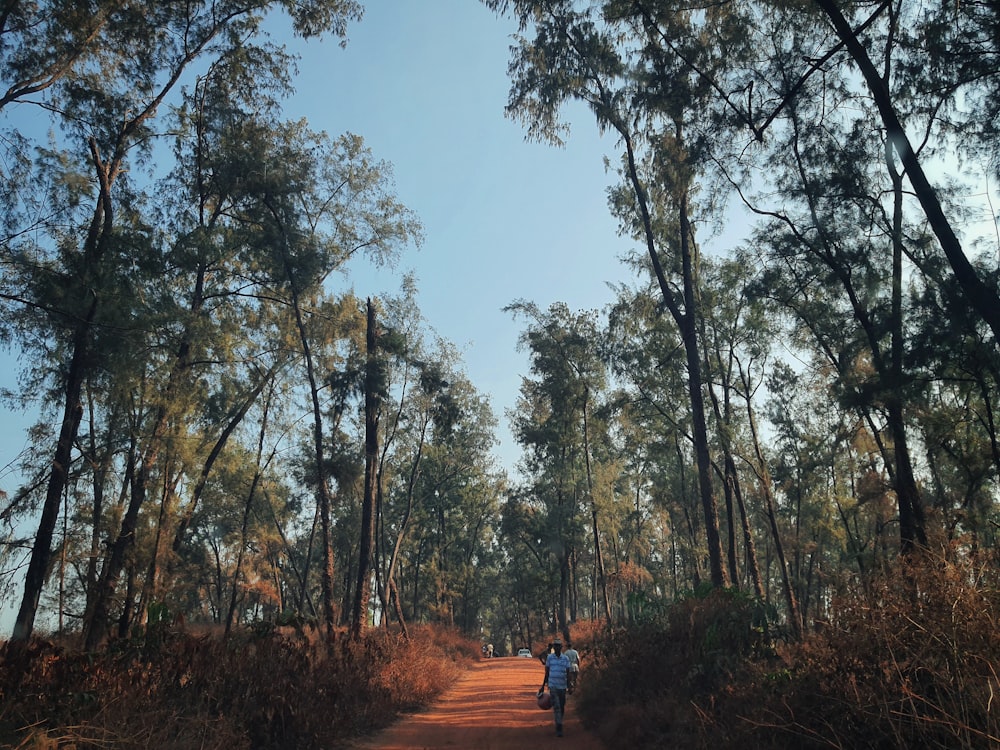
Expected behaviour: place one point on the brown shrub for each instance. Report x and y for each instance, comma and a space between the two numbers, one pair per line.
909, 660
585, 634
254, 690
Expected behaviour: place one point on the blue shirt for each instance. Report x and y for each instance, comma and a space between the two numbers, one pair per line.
557, 665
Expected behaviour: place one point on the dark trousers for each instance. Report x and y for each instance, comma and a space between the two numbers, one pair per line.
558, 703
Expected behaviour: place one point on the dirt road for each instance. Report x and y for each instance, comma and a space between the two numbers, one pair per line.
491, 707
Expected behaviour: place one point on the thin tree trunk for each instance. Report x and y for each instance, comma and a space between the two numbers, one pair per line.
96, 621
696, 574
731, 479
99, 469
598, 556
686, 321
217, 448
727, 475
912, 523
764, 476
247, 508
704, 462
393, 593
362, 590
748, 540
323, 495
151, 585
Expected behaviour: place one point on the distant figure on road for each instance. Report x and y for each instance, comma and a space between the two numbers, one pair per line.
556, 671
574, 667
489, 650
545, 654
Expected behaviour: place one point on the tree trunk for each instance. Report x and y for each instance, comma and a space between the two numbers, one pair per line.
323, 495
689, 333
362, 591
393, 590
598, 556
245, 524
751, 547
97, 620
981, 296
912, 531
41, 551
764, 476
217, 448
686, 321
734, 492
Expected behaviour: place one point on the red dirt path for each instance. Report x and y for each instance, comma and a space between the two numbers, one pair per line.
491, 707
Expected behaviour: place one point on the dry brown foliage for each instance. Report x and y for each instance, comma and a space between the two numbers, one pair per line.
265, 689
908, 660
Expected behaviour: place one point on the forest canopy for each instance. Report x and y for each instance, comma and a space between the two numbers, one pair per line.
227, 438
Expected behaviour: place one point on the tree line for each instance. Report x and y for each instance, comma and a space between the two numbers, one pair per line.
229, 437
218, 419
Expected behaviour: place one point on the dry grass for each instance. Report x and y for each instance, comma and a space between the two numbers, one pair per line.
255, 690
911, 661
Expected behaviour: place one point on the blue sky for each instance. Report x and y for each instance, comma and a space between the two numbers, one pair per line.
425, 83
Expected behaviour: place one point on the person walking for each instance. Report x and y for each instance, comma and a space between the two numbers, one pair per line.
545, 654
574, 667
556, 671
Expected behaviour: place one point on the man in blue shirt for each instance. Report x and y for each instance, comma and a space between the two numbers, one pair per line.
556, 669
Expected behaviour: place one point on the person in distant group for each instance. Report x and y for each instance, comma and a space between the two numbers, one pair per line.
574, 667
556, 671
545, 654
489, 650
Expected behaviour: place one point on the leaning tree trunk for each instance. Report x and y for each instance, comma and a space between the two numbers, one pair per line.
912, 523
41, 551
764, 476
981, 296
390, 576
234, 597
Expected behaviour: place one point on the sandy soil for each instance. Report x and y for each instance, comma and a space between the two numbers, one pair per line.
491, 707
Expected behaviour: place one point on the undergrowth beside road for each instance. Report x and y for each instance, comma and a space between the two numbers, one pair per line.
171, 689
910, 660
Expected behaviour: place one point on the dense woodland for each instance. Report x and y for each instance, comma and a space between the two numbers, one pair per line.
226, 439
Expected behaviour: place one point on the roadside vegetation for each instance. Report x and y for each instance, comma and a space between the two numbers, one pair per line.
266, 687
895, 666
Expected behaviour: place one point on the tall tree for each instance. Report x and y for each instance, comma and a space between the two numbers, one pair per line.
649, 98
558, 431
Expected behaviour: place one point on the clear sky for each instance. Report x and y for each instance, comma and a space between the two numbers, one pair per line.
425, 83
